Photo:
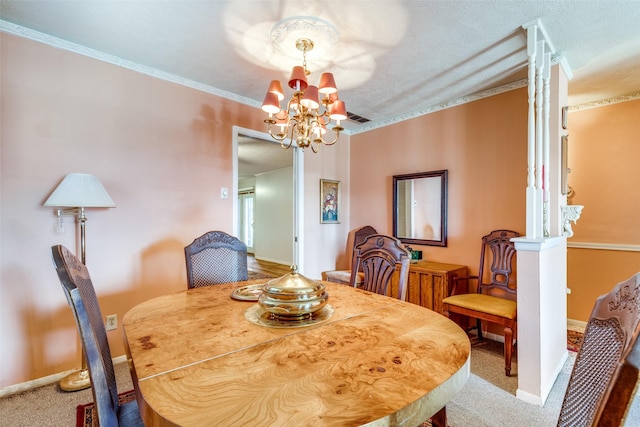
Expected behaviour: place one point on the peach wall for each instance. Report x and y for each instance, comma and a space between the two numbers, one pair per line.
483, 144
162, 150
603, 157
604, 150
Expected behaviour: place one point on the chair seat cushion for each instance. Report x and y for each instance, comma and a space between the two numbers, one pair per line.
485, 304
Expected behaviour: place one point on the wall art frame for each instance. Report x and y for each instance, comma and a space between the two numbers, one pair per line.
330, 201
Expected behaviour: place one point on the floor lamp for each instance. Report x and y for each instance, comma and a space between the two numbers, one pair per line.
76, 192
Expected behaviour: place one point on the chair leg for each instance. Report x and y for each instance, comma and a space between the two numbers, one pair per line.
440, 418
508, 349
479, 328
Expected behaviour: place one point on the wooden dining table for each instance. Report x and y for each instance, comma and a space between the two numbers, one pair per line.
197, 359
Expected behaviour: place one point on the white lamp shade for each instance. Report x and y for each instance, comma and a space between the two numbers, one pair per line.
80, 190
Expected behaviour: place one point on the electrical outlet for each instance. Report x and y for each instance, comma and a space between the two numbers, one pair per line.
111, 322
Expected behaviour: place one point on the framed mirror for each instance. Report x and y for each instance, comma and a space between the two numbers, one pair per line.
420, 208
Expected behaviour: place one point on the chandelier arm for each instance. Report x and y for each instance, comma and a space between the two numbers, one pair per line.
277, 137
337, 133
290, 131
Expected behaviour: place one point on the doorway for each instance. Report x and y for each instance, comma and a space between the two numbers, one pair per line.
267, 206
246, 217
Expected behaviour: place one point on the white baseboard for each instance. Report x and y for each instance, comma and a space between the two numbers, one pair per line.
275, 261
576, 325
542, 399
50, 379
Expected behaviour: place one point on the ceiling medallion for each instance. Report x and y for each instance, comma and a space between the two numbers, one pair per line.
287, 32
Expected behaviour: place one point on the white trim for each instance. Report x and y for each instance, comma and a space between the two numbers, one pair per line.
537, 244
442, 106
604, 102
576, 325
298, 183
540, 400
603, 246
30, 34
50, 379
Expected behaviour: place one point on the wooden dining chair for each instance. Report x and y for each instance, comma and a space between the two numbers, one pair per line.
344, 276
605, 372
495, 299
215, 257
383, 260
81, 296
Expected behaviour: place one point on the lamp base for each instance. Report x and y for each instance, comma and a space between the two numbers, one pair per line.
76, 381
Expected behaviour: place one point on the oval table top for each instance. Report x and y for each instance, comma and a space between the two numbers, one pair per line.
196, 360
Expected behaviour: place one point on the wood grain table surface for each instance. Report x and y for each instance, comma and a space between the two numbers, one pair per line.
197, 361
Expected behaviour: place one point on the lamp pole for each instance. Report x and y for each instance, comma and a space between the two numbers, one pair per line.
79, 380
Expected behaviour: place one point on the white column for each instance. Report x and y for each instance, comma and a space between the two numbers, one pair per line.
539, 134
546, 76
541, 260
531, 135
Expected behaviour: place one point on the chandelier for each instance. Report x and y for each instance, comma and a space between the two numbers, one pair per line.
305, 117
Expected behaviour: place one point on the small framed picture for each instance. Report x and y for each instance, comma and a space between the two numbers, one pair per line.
329, 202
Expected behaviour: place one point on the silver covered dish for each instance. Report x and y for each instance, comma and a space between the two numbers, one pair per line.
293, 296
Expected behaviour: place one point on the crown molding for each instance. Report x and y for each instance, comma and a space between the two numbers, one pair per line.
604, 102
441, 106
30, 34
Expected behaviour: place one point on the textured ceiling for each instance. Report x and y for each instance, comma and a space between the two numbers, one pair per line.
393, 59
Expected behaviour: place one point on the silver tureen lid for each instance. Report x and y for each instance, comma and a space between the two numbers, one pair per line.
294, 286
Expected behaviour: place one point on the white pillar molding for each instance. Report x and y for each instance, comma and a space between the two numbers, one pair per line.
542, 315
546, 77
531, 134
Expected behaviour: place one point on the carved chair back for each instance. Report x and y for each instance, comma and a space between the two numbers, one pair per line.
344, 276
382, 259
605, 373
500, 265
215, 257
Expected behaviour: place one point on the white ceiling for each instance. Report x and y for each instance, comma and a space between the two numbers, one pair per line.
393, 60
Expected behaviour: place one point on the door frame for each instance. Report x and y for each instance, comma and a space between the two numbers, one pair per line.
298, 189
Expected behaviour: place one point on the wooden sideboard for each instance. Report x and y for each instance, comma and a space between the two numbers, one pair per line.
430, 282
